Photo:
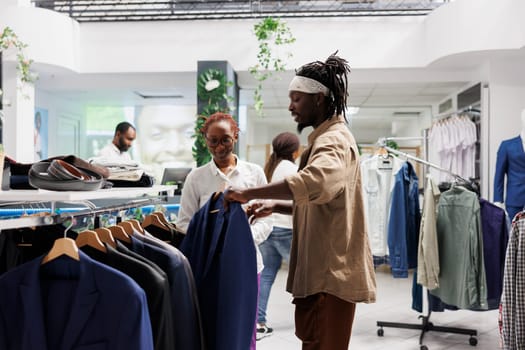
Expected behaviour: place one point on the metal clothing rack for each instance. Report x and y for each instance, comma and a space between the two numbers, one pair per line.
34, 196
425, 325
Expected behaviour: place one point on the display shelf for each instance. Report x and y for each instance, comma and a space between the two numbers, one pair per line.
71, 196
131, 197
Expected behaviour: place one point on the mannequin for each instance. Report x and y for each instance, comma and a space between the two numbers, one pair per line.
510, 166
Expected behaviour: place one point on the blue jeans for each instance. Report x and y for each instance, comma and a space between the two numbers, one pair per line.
273, 250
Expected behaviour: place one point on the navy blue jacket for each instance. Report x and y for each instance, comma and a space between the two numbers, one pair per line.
510, 162
221, 251
403, 223
67, 304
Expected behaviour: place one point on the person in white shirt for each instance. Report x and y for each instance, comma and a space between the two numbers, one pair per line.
276, 248
117, 150
225, 169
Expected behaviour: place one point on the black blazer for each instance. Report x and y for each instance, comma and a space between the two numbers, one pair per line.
155, 285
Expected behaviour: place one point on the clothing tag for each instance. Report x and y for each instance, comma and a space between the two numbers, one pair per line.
384, 163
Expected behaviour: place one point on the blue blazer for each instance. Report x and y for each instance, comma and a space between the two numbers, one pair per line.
510, 162
67, 304
220, 248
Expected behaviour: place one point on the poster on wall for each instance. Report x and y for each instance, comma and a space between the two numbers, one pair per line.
164, 135
40, 134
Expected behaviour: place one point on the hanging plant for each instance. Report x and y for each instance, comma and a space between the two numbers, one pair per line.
8, 39
270, 33
211, 87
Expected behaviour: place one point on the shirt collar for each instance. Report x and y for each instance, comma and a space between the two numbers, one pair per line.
216, 171
117, 150
323, 127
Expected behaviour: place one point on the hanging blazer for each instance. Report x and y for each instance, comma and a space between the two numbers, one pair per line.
220, 249
155, 285
186, 328
510, 162
67, 304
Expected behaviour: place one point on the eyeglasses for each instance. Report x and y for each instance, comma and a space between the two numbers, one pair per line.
225, 141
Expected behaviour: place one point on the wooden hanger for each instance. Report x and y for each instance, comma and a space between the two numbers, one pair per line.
90, 238
136, 225
162, 218
118, 233
127, 226
153, 220
105, 236
381, 151
62, 246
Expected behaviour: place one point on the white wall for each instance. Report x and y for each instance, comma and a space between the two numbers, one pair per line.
507, 100
61, 108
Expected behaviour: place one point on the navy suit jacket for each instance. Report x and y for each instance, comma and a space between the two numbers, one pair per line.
510, 162
67, 304
220, 248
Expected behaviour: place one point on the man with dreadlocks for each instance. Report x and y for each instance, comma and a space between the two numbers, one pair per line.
331, 265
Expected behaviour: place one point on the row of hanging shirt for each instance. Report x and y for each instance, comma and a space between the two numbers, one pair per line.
452, 146
144, 288
453, 228
390, 193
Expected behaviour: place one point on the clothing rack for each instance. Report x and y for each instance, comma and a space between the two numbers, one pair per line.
425, 325
79, 198
469, 110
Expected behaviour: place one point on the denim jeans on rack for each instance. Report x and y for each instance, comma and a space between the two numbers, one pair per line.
273, 250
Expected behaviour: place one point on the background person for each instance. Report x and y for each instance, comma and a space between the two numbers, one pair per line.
276, 248
123, 138
331, 265
225, 169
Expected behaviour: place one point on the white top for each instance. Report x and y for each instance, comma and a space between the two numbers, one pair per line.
111, 152
203, 181
377, 185
283, 169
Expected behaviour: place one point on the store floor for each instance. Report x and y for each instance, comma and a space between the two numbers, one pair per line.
393, 305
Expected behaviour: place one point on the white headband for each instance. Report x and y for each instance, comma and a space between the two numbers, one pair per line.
307, 85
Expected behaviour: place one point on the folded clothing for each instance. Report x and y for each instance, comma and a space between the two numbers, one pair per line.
125, 171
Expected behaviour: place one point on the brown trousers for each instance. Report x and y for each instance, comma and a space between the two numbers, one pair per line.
323, 322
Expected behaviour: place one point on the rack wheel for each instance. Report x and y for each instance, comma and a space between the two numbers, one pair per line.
423, 347
380, 332
473, 341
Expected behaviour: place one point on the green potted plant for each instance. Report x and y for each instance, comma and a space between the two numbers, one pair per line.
270, 33
9, 39
211, 87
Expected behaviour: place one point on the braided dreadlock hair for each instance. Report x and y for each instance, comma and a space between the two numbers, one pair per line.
333, 73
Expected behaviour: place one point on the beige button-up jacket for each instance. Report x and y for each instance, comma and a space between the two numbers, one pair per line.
330, 251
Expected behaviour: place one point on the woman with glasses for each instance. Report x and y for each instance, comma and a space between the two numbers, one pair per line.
225, 169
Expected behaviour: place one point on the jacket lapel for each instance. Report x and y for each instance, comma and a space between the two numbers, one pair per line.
34, 332
85, 301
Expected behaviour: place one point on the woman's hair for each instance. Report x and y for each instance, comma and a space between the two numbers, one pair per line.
217, 117
333, 73
284, 145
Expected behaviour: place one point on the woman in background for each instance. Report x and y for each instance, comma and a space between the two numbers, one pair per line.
277, 246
